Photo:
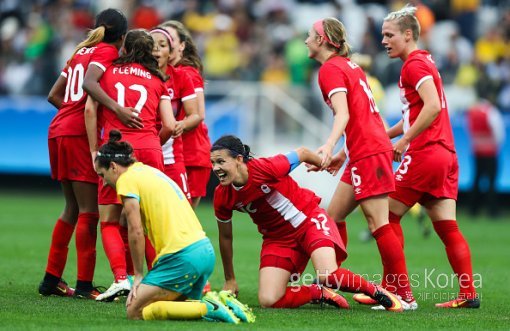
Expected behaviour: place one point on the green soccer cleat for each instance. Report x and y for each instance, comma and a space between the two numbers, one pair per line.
242, 311
217, 311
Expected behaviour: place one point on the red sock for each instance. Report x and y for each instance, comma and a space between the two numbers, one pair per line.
125, 239
342, 228
397, 228
150, 253
114, 249
86, 236
296, 296
395, 277
459, 255
57, 257
347, 281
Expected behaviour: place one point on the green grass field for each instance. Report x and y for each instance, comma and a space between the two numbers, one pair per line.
27, 221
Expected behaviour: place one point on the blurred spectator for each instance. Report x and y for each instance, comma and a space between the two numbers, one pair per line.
487, 131
145, 17
221, 50
490, 46
464, 12
296, 58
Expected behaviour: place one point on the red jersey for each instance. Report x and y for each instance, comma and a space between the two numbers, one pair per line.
180, 88
274, 201
198, 146
70, 121
364, 134
418, 68
483, 138
134, 86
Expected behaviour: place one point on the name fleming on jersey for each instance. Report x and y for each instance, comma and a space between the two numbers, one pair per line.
132, 71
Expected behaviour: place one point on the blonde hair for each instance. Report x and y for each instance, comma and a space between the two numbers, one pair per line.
94, 37
336, 33
406, 19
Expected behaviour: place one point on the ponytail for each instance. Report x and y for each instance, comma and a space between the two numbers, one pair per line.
94, 37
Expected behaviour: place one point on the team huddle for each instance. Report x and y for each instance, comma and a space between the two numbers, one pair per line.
131, 150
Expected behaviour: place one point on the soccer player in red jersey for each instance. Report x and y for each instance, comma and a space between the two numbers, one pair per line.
428, 173
185, 107
70, 159
368, 175
133, 80
294, 228
196, 154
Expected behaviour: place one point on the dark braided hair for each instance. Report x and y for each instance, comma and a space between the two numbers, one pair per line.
190, 55
234, 146
116, 151
138, 46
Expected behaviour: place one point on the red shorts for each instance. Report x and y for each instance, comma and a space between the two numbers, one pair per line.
198, 177
151, 157
430, 173
70, 159
292, 254
177, 173
370, 176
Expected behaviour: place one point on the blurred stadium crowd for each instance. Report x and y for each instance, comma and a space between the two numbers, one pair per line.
263, 40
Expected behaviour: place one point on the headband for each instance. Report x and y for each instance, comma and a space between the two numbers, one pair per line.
111, 156
166, 34
319, 28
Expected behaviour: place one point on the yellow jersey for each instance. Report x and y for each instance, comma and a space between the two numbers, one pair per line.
167, 217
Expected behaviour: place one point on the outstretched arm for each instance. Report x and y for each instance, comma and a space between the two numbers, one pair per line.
227, 255
341, 110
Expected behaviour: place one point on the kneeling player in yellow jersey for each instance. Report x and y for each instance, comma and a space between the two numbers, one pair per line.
155, 205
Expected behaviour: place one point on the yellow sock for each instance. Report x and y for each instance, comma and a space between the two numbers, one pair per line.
174, 310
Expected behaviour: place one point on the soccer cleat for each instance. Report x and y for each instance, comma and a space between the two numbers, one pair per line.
388, 300
406, 306
207, 288
242, 311
364, 299
117, 289
61, 289
217, 311
460, 303
92, 294
332, 298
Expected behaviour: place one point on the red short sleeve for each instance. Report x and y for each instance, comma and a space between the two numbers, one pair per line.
221, 211
415, 73
331, 80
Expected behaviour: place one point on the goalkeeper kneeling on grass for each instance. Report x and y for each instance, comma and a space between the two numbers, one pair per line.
185, 257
